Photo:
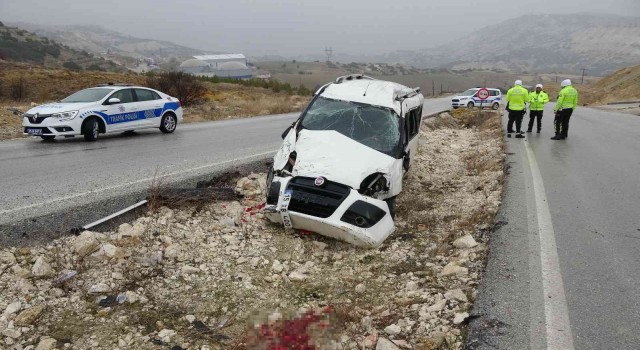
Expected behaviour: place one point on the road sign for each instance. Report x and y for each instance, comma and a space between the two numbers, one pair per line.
483, 94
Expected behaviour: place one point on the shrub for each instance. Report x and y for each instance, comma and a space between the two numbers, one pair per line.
184, 86
70, 65
17, 88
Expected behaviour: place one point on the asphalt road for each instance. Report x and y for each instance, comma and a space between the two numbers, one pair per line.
564, 262
70, 182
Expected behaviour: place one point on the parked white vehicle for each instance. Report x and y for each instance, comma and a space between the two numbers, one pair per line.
470, 99
104, 109
342, 162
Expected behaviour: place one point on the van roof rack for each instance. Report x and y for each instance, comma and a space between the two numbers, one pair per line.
114, 84
350, 77
402, 95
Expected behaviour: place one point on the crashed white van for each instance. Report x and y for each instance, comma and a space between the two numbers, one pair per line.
342, 162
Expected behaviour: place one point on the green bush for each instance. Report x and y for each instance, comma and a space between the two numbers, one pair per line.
272, 85
185, 87
72, 66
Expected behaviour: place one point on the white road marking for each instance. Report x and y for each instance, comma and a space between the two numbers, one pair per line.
557, 324
148, 179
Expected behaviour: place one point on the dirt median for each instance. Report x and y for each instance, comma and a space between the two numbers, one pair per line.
217, 275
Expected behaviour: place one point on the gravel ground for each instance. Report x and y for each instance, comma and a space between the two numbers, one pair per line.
216, 275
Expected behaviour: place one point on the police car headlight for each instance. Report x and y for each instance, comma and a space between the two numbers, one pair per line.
65, 115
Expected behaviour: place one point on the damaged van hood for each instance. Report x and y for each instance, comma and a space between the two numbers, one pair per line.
338, 158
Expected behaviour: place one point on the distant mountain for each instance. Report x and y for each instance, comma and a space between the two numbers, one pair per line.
538, 43
19, 45
103, 41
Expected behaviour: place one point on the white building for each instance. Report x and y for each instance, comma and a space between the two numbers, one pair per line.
224, 66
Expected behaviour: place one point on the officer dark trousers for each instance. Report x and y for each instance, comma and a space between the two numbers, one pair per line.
533, 116
515, 117
561, 122
512, 118
566, 115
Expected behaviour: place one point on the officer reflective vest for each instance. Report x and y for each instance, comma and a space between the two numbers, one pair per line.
568, 98
517, 98
538, 100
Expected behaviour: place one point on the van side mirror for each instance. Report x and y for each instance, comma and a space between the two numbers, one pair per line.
286, 131
406, 161
113, 101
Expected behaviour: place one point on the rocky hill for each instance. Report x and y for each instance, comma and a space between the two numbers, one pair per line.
539, 43
101, 41
19, 45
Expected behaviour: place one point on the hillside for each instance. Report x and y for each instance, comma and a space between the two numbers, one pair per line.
19, 45
599, 43
101, 41
623, 85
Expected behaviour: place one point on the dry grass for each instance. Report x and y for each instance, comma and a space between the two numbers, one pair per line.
223, 101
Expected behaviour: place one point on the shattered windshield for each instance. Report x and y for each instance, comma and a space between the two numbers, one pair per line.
375, 127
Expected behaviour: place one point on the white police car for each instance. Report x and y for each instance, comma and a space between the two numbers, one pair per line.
470, 99
104, 109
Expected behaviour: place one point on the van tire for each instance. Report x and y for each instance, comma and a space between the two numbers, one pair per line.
391, 202
91, 130
496, 106
470, 105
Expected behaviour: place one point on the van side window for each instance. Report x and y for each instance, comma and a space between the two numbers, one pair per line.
494, 93
413, 118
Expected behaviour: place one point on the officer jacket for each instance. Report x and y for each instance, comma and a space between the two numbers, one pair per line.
517, 98
538, 100
568, 98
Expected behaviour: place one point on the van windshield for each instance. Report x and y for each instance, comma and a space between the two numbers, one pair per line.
469, 92
87, 95
375, 127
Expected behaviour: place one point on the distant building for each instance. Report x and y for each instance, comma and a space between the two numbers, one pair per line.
224, 66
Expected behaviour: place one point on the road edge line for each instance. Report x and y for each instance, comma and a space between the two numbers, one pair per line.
557, 323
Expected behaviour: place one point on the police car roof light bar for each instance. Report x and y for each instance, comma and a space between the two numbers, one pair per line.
114, 84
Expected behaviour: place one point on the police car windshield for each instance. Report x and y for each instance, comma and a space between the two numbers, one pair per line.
88, 95
469, 92
375, 127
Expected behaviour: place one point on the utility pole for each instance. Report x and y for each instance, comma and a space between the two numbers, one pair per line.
329, 52
440, 89
582, 80
433, 88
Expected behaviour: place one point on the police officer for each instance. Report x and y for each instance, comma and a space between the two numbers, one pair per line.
517, 98
537, 100
567, 102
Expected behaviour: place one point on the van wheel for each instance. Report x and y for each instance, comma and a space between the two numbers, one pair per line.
470, 105
496, 106
91, 130
48, 138
456, 107
168, 123
391, 202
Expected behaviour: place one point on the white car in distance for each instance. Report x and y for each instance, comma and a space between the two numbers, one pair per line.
104, 109
469, 99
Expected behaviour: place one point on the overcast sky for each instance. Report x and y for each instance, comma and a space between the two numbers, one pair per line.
291, 27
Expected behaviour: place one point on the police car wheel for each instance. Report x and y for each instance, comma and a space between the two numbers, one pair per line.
470, 105
48, 137
91, 130
495, 106
168, 123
